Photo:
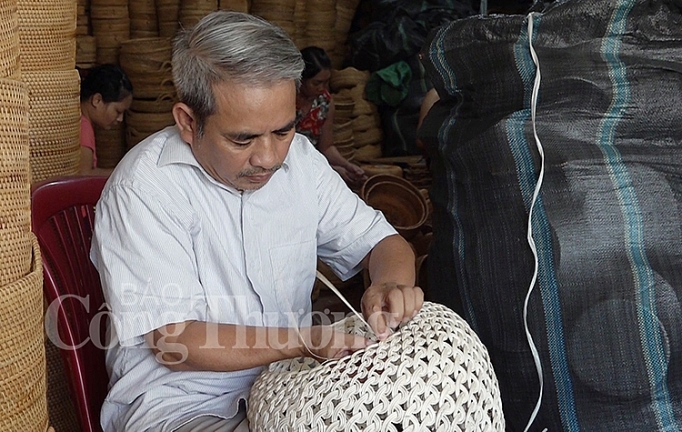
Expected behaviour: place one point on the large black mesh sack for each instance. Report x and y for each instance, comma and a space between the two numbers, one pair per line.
605, 313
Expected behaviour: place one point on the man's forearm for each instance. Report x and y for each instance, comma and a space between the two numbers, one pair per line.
392, 261
197, 345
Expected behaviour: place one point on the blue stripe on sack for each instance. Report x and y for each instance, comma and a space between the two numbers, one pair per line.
634, 230
548, 284
450, 83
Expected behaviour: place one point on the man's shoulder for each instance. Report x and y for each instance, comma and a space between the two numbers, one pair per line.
302, 149
142, 160
142, 168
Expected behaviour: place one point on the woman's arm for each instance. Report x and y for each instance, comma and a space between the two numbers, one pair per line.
85, 167
350, 172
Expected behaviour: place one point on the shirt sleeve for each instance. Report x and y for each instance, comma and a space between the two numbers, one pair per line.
142, 248
348, 228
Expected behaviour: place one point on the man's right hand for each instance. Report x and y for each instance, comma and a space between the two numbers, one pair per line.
325, 342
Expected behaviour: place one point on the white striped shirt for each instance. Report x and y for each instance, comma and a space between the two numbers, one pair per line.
171, 244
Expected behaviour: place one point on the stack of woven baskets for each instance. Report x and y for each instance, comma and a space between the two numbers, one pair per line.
148, 64
349, 85
323, 23
192, 11
143, 22
321, 20
345, 12
22, 349
86, 45
167, 12
279, 12
110, 22
343, 128
47, 37
234, 5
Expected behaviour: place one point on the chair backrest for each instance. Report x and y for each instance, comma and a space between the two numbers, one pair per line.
62, 216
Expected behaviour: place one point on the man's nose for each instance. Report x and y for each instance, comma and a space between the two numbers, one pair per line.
265, 153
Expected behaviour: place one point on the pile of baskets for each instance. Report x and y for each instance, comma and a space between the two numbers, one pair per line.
110, 23
47, 43
22, 349
348, 86
148, 63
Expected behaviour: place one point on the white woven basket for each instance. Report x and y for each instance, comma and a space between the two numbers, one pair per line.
433, 374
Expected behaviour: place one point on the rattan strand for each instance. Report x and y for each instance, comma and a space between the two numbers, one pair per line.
433, 374
22, 352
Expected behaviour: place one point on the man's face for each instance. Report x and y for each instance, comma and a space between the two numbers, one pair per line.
246, 140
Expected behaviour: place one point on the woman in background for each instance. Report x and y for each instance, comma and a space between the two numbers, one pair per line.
315, 113
106, 93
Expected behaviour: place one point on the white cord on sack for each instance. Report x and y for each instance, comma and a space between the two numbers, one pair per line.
531, 241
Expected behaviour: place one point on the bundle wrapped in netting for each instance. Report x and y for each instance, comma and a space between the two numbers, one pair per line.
433, 374
606, 312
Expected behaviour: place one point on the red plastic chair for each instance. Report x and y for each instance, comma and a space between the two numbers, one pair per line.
62, 216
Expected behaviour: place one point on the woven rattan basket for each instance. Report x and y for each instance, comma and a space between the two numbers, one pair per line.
9, 40
47, 34
347, 78
54, 111
110, 145
22, 353
161, 104
343, 131
167, 12
368, 152
369, 137
15, 204
234, 5
45, 51
140, 125
15, 249
433, 374
13, 124
65, 162
56, 16
146, 56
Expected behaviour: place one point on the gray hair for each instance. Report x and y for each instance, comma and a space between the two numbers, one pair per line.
230, 46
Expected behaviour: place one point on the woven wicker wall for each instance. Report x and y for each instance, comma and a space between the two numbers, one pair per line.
22, 353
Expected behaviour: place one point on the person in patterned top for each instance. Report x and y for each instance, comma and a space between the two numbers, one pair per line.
315, 113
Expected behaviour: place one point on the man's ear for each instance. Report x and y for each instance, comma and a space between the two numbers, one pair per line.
184, 119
